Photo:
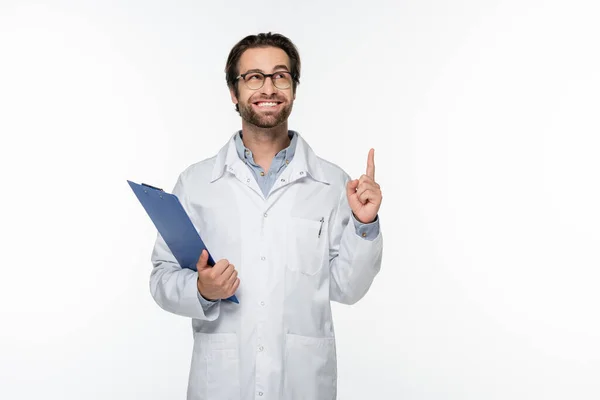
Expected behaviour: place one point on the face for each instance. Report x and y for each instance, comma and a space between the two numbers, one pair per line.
268, 106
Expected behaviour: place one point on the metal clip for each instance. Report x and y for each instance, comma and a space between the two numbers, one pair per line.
153, 187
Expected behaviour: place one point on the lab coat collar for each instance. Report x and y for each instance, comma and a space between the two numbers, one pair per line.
304, 161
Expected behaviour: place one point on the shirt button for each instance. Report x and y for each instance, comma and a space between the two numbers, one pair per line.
262, 173
261, 348
262, 258
248, 180
265, 215
262, 303
364, 234
260, 393
301, 172
283, 180
287, 161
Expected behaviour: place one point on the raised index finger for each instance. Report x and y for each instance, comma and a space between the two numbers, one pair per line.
371, 164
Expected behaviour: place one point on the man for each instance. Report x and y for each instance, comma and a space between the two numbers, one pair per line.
291, 232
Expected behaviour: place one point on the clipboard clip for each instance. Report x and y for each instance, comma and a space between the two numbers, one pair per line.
152, 187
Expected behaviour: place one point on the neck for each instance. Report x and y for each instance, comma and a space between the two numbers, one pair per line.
265, 143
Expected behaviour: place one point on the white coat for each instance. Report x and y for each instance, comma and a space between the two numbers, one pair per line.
278, 342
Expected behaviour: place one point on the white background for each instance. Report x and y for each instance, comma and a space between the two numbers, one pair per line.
484, 118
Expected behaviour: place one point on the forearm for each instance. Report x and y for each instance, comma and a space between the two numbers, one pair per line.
175, 289
355, 255
353, 270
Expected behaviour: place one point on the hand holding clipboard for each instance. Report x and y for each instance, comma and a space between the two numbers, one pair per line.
175, 227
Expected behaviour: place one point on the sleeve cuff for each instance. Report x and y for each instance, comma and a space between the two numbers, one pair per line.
206, 304
366, 231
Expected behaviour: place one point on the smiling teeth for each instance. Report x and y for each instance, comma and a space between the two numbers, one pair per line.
267, 104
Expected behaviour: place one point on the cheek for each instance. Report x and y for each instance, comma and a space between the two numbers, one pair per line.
289, 97
243, 96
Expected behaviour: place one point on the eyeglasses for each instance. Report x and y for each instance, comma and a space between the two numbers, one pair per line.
255, 80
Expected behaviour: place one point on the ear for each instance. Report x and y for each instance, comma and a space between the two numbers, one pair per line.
233, 96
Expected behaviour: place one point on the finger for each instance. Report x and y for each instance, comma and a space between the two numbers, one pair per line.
229, 271
366, 196
366, 179
367, 184
226, 274
361, 189
351, 187
371, 164
235, 287
362, 197
232, 278
202, 261
219, 268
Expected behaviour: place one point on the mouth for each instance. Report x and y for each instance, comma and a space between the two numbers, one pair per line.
266, 105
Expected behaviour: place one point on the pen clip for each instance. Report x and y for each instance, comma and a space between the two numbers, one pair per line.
153, 187
321, 227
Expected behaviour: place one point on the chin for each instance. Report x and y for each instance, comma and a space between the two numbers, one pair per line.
267, 124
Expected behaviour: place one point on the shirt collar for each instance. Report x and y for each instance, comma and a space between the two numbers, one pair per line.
304, 158
245, 154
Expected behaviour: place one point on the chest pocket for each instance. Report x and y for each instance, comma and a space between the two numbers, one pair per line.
307, 243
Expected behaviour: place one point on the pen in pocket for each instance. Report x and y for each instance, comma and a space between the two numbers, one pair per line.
321, 227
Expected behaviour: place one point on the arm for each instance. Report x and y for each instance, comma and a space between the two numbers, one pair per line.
354, 260
175, 289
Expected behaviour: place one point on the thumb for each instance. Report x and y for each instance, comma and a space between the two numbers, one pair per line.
202, 261
351, 187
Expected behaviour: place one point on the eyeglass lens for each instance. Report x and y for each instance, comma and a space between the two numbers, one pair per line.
281, 80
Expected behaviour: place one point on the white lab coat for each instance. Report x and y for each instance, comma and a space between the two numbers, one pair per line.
278, 342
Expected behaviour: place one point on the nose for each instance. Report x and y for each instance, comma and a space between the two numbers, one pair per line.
268, 87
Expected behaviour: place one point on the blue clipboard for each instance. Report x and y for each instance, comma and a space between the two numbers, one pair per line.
174, 225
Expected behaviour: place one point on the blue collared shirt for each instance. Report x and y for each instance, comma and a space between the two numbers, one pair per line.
266, 179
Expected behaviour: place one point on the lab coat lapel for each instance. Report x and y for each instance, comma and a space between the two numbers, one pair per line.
228, 162
304, 165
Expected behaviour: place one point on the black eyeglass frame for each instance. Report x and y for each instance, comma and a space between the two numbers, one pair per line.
265, 76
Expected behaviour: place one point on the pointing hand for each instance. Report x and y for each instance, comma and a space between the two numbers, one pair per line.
364, 194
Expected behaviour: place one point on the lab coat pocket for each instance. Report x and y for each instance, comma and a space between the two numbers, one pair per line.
307, 238
218, 366
310, 368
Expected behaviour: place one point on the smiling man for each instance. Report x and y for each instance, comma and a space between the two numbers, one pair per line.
291, 233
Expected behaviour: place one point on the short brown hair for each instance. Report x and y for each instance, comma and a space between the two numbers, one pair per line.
261, 40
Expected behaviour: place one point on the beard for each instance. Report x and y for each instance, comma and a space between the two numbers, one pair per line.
264, 120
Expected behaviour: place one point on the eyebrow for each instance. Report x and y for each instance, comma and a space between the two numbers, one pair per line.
275, 68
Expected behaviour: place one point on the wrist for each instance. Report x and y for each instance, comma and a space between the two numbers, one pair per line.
202, 294
364, 222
